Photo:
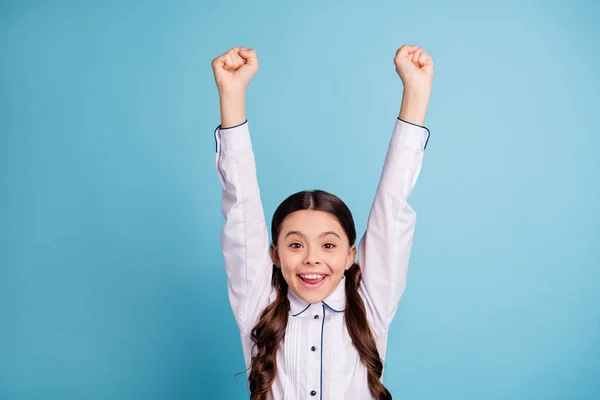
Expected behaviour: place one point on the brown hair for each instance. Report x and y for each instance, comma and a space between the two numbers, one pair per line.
269, 331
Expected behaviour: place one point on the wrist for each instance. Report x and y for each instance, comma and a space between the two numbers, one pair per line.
233, 108
414, 104
232, 94
416, 91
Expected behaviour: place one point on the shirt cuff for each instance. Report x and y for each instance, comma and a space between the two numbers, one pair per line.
410, 135
233, 137
231, 127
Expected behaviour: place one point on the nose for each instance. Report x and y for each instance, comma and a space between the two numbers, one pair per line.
311, 259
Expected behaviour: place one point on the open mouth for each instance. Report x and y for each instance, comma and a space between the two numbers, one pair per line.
312, 281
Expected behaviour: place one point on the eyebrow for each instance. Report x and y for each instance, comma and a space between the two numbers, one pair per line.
321, 235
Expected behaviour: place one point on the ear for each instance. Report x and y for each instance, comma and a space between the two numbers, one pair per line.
274, 255
351, 257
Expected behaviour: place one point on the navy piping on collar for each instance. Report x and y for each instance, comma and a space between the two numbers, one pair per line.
306, 308
332, 309
223, 129
295, 315
420, 126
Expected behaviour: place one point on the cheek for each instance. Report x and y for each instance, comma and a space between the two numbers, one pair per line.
289, 262
337, 263
340, 267
291, 259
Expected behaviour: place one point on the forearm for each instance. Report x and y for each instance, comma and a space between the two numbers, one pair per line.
414, 105
233, 108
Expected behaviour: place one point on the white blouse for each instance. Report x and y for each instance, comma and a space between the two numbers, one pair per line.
317, 360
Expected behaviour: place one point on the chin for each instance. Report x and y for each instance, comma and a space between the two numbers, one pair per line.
313, 293
312, 298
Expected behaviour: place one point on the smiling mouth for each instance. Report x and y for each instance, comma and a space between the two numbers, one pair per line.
312, 281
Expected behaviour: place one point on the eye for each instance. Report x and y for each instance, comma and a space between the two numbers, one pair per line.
331, 245
293, 245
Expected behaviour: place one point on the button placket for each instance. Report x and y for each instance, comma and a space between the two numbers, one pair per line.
314, 356
321, 353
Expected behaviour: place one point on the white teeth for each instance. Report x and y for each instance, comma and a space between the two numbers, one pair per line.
312, 276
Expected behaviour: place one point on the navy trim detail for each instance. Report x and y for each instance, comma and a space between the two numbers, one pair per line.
322, 329
223, 129
420, 126
231, 127
295, 315
216, 144
333, 309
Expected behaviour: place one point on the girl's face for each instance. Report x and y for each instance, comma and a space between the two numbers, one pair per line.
313, 252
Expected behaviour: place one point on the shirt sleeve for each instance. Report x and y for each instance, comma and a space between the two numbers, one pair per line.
244, 238
384, 250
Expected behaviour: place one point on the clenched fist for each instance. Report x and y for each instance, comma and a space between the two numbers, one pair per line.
235, 69
415, 67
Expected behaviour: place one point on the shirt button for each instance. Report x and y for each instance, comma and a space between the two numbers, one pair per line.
313, 393
313, 348
317, 316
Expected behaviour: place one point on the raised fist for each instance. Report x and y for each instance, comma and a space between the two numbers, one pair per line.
235, 69
414, 66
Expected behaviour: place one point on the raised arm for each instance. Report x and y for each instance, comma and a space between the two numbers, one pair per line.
384, 250
244, 237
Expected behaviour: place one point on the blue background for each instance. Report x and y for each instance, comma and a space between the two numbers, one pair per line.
111, 276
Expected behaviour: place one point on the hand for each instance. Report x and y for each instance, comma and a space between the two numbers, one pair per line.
235, 69
415, 67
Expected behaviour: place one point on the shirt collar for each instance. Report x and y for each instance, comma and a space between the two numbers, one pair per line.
336, 301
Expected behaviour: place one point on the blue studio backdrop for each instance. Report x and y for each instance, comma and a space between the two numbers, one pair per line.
111, 274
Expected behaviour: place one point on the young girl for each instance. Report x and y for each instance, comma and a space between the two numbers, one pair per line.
314, 323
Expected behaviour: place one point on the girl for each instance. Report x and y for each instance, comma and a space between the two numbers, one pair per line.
314, 323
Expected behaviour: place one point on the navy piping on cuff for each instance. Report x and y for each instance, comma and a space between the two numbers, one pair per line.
231, 127
216, 143
420, 126
223, 129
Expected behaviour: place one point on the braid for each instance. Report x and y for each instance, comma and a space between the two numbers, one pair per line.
361, 335
267, 335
